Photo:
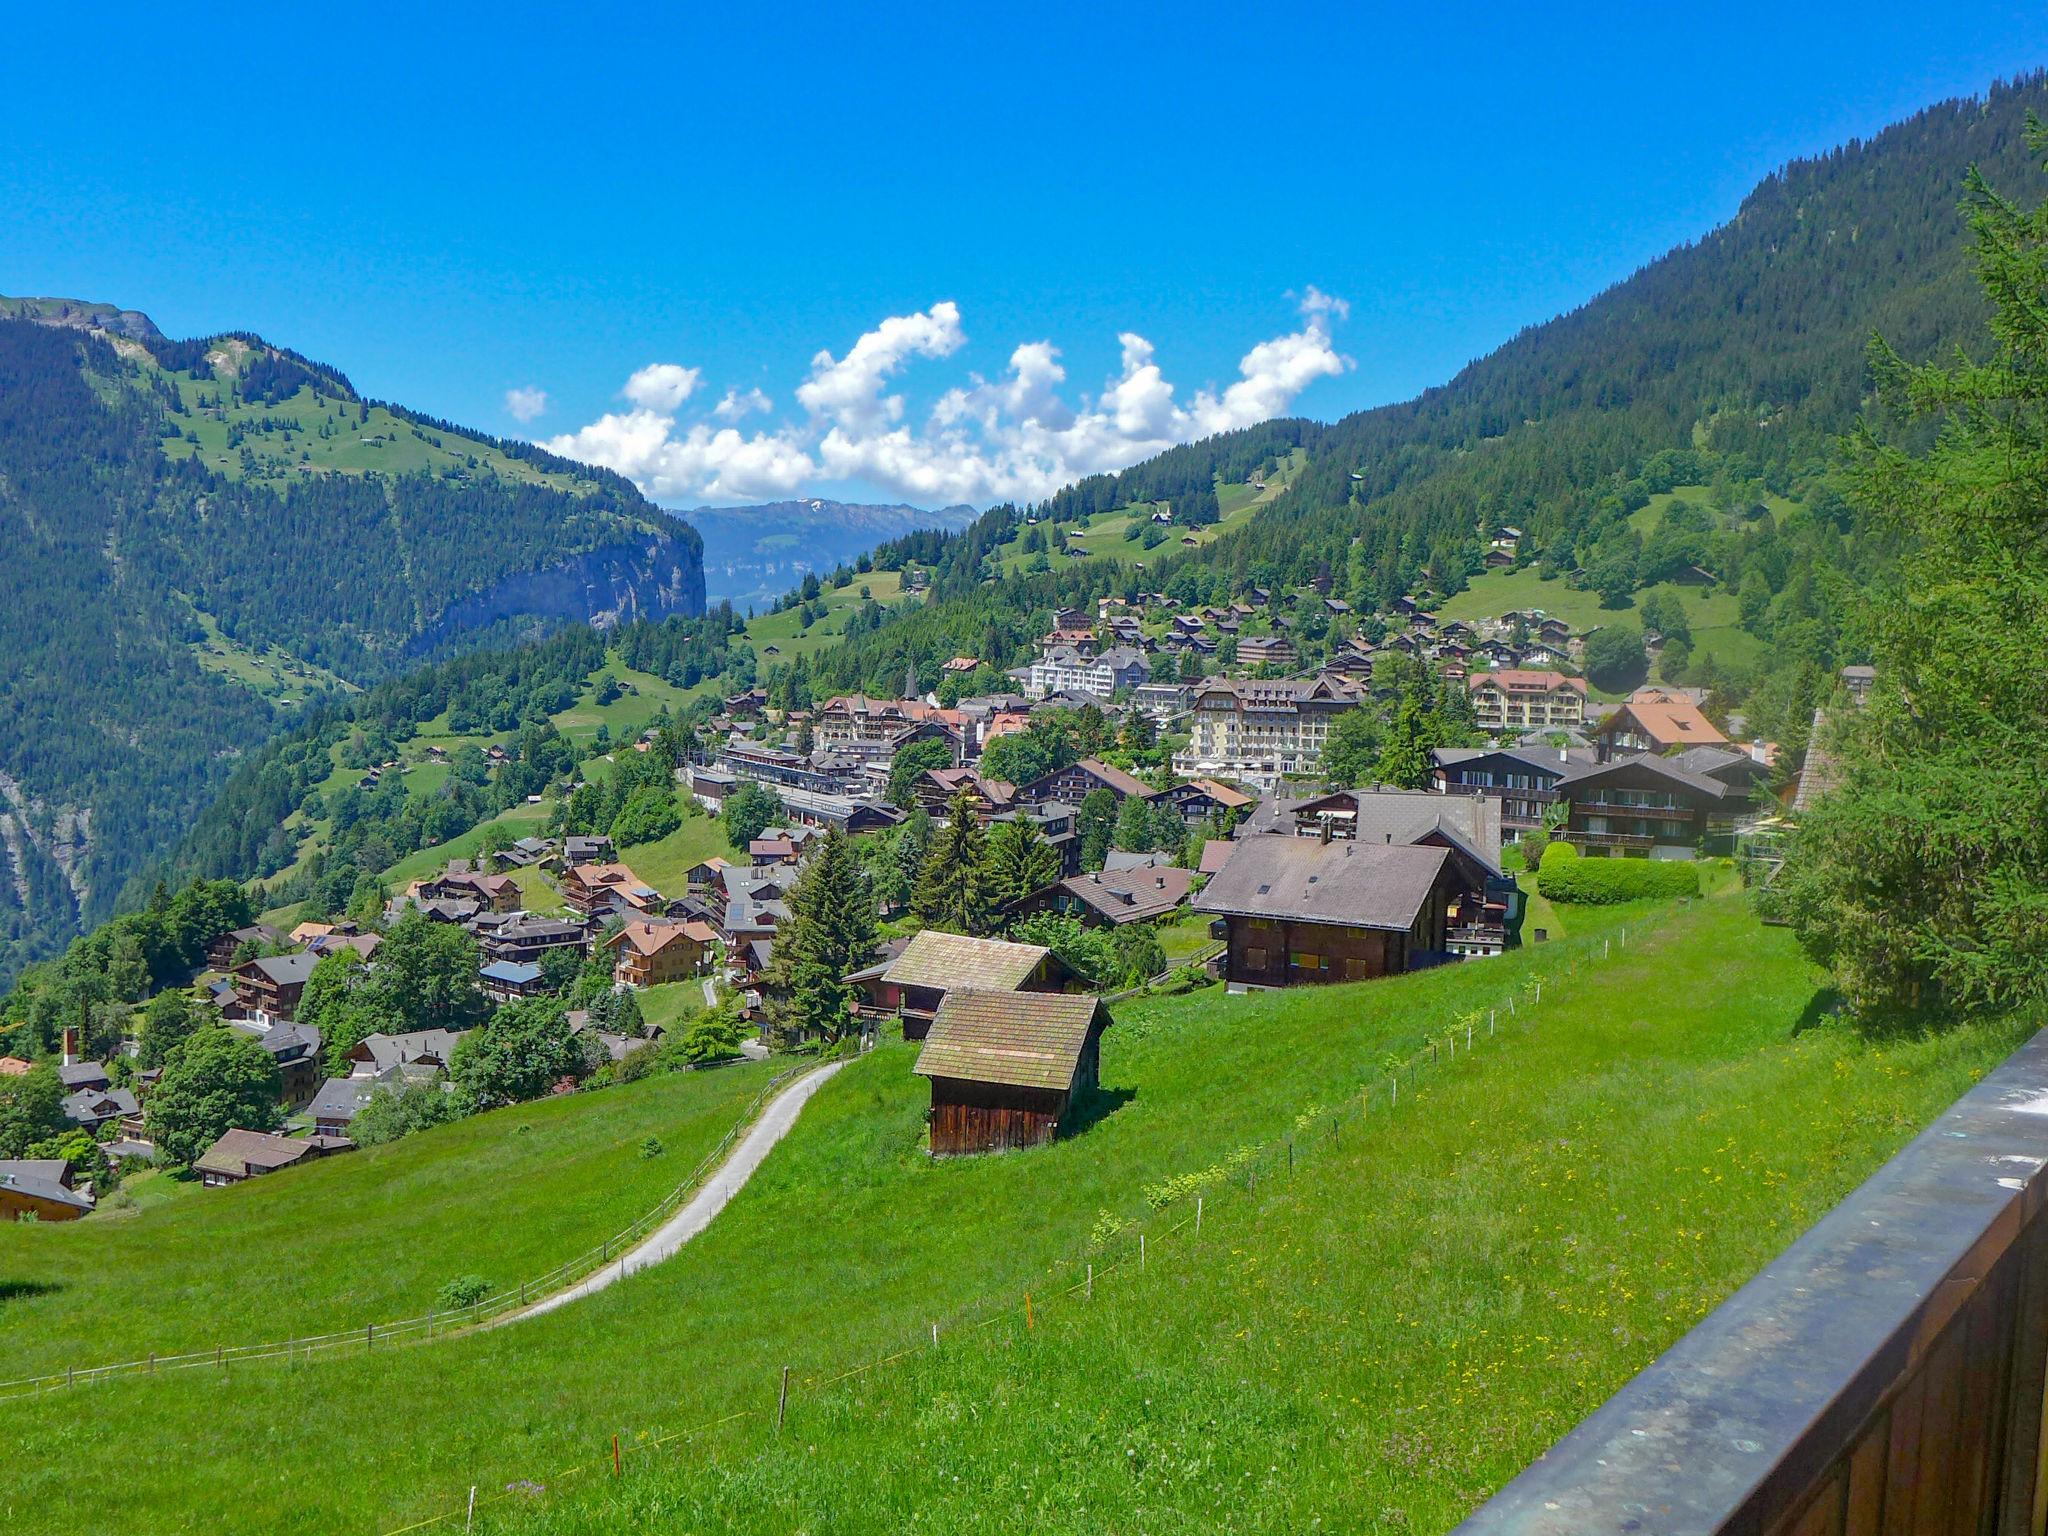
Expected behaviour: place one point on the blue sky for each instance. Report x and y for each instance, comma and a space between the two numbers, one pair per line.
458, 207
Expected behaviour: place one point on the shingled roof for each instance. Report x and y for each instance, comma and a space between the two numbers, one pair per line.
1357, 884
1020, 1039
947, 960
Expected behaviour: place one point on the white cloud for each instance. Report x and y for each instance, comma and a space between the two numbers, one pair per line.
526, 402
736, 405
848, 392
1016, 437
662, 387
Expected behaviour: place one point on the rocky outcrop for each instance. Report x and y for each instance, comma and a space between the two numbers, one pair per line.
650, 577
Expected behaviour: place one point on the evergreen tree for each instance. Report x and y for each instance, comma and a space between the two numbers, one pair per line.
950, 893
1017, 861
830, 934
1919, 877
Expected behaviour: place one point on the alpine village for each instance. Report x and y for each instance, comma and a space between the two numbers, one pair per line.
1473, 965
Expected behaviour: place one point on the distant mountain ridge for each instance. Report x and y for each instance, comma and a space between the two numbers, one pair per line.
753, 555
203, 533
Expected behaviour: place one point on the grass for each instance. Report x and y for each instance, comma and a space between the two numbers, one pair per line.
1380, 1340
272, 671
1100, 535
537, 893
362, 1238
663, 864
291, 448
641, 698
1714, 614
671, 1003
521, 820
781, 629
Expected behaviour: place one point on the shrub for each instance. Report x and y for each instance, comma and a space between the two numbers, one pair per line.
1556, 854
1601, 882
463, 1291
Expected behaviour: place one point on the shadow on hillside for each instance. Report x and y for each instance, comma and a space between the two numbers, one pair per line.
1095, 1108
25, 1290
1821, 1008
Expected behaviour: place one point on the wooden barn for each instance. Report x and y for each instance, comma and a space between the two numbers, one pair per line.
1007, 1068
913, 985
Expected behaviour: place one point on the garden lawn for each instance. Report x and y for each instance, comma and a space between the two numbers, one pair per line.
663, 864
521, 820
365, 1237
1381, 1340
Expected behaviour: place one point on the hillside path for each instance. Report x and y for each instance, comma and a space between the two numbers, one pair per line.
695, 1214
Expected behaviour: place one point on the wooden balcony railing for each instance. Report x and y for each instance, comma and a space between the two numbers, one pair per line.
1885, 1373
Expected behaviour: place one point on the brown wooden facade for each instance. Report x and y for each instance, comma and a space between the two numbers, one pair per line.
970, 1117
1290, 952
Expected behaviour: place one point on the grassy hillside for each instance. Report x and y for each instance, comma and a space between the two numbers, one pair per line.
365, 1238
1418, 1310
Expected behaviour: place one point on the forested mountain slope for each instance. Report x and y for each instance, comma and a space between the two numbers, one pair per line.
753, 555
1734, 361
200, 535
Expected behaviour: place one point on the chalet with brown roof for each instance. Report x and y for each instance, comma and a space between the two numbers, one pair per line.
1199, 799
595, 889
272, 984
938, 786
913, 984
1649, 806
1654, 722
1074, 783
1009, 1070
650, 954
220, 953
1112, 898
458, 882
240, 1155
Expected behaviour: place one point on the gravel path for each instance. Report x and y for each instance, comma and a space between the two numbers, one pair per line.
695, 1214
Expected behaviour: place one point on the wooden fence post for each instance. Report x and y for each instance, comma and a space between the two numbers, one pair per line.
1091, 1280
470, 1523
1029, 1324
782, 1402
1198, 1224
1141, 1248
615, 1455
935, 1335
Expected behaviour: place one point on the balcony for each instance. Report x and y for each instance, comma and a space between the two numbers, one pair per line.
1885, 1373
1654, 812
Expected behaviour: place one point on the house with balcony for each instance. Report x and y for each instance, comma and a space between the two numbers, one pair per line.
1648, 806
1260, 731
1511, 700
1523, 779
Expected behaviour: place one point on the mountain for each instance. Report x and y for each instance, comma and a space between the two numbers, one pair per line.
204, 535
1719, 378
753, 555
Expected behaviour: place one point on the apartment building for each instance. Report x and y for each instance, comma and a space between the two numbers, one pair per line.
1260, 731
1514, 700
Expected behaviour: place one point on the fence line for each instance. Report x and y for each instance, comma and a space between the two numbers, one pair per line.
435, 1322
1141, 1245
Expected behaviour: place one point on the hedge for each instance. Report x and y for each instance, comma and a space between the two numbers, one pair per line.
1600, 882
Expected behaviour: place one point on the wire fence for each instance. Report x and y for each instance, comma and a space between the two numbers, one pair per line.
1130, 1250
435, 1323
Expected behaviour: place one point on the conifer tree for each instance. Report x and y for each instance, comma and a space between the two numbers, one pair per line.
830, 935
1018, 861
950, 892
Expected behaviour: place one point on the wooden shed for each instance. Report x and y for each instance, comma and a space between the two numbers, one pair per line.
1007, 1068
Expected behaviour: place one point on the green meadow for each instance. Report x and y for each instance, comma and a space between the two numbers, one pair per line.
1394, 1312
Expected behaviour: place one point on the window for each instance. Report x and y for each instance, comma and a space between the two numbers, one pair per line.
1301, 960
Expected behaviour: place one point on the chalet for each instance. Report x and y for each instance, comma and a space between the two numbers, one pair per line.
1112, 898
704, 875
1300, 910
766, 852
421, 1053
364, 944
507, 981
296, 1050
1074, 783
40, 1187
1267, 651
524, 854
341, 1099
1008, 1070
458, 882
525, 940
91, 1108
1647, 806
89, 1075
271, 984
240, 1155
912, 986
598, 889
1524, 779
586, 850
220, 953
1199, 799
1654, 721
937, 787
748, 705
649, 954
